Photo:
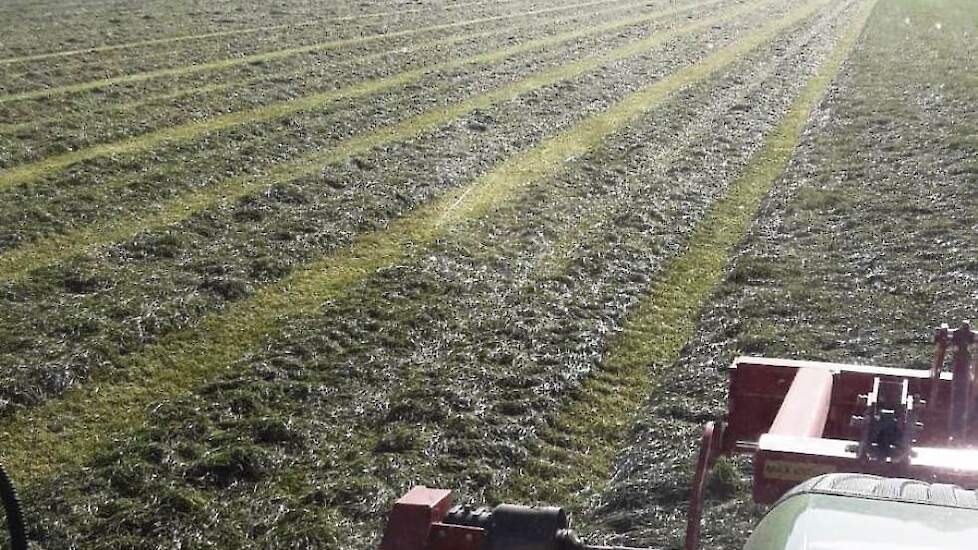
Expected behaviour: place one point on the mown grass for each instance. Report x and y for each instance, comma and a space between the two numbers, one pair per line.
67, 28
355, 467
857, 255
596, 224
84, 313
871, 230
65, 433
591, 429
266, 57
24, 259
422, 434
232, 32
135, 107
57, 72
22, 174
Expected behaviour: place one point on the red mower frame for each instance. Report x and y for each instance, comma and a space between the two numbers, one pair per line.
800, 419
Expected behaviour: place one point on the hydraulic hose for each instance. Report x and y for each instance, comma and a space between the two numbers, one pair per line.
15, 514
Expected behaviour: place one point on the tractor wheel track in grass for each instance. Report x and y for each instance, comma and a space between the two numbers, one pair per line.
22, 260
590, 429
109, 405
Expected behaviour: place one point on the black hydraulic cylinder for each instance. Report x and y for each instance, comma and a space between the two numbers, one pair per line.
525, 527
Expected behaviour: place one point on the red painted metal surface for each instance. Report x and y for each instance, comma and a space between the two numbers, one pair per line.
801, 418
805, 407
759, 385
709, 450
410, 522
961, 392
455, 537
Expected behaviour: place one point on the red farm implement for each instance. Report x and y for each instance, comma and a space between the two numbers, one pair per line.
879, 443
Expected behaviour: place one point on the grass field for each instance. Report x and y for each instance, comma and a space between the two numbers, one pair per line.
266, 266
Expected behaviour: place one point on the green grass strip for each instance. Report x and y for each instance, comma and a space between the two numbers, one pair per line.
594, 425
272, 55
231, 32
20, 261
27, 173
63, 433
382, 55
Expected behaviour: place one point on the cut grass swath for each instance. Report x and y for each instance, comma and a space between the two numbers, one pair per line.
593, 426
230, 32
113, 403
591, 227
26, 173
418, 46
271, 56
82, 7
363, 440
26, 258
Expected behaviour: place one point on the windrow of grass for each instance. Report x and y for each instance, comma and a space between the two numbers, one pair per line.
26, 173
60, 123
54, 73
235, 32
24, 259
63, 433
596, 224
841, 265
413, 366
266, 57
71, 28
590, 430
598, 221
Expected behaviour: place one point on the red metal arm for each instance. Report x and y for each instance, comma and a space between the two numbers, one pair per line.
960, 414
709, 450
941, 340
805, 407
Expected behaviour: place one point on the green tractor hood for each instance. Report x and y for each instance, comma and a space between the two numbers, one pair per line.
864, 512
